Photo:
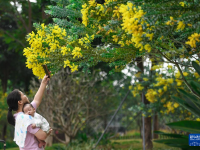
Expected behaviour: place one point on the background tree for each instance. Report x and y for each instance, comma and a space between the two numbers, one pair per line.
73, 100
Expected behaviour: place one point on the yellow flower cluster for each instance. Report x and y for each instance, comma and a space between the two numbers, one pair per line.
45, 43
86, 41
116, 12
163, 82
157, 67
151, 95
76, 52
193, 39
109, 1
133, 19
97, 9
171, 21
171, 106
84, 12
137, 89
73, 67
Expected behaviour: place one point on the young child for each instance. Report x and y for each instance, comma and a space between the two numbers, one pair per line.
40, 121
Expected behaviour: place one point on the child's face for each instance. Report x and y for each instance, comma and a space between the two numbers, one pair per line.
29, 110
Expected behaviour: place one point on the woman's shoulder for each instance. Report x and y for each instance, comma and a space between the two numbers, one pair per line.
22, 116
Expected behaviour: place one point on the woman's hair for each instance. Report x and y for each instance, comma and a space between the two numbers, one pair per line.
12, 101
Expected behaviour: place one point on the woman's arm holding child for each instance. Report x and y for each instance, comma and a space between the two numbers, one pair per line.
41, 135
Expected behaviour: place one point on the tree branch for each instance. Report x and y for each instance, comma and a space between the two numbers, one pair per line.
7, 33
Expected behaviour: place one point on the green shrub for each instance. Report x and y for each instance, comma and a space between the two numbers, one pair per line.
9, 144
57, 146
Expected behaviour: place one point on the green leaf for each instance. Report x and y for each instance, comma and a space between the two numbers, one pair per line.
190, 96
195, 86
181, 143
187, 106
196, 67
186, 125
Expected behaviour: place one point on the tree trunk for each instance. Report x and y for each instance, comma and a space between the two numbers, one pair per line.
147, 120
29, 17
67, 139
156, 126
49, 140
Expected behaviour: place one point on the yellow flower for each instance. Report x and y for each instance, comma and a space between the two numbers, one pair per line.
140, 88
66, 63
181, 25
74, 68
169, 66
165, 88
196, 75
147, 47
160, 90
145, 79
177, 75
182, 4
138, 74
168, 22
179, 82
134, 93
150, 36
176, 105
193, 39
161, 37
198, 119
76, 52
115, 38
170, 80
150, 95
185, 73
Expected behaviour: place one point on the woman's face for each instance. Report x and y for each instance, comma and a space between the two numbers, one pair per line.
24, 98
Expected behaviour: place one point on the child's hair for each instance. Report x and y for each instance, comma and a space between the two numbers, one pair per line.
25, 104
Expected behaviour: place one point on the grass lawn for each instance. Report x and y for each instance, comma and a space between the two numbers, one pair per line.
136, 144
125, 144
12, 148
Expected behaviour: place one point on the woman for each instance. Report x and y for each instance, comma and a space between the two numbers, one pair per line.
15, 100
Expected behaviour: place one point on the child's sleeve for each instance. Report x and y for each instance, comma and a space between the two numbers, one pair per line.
38, 121
38, 124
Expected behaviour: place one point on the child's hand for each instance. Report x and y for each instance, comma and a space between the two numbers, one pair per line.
33, 126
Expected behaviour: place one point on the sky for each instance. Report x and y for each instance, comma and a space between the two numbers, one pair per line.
19, 7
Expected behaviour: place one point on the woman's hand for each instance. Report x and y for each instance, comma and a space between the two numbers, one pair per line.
45, 80
50, 130
33, 126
